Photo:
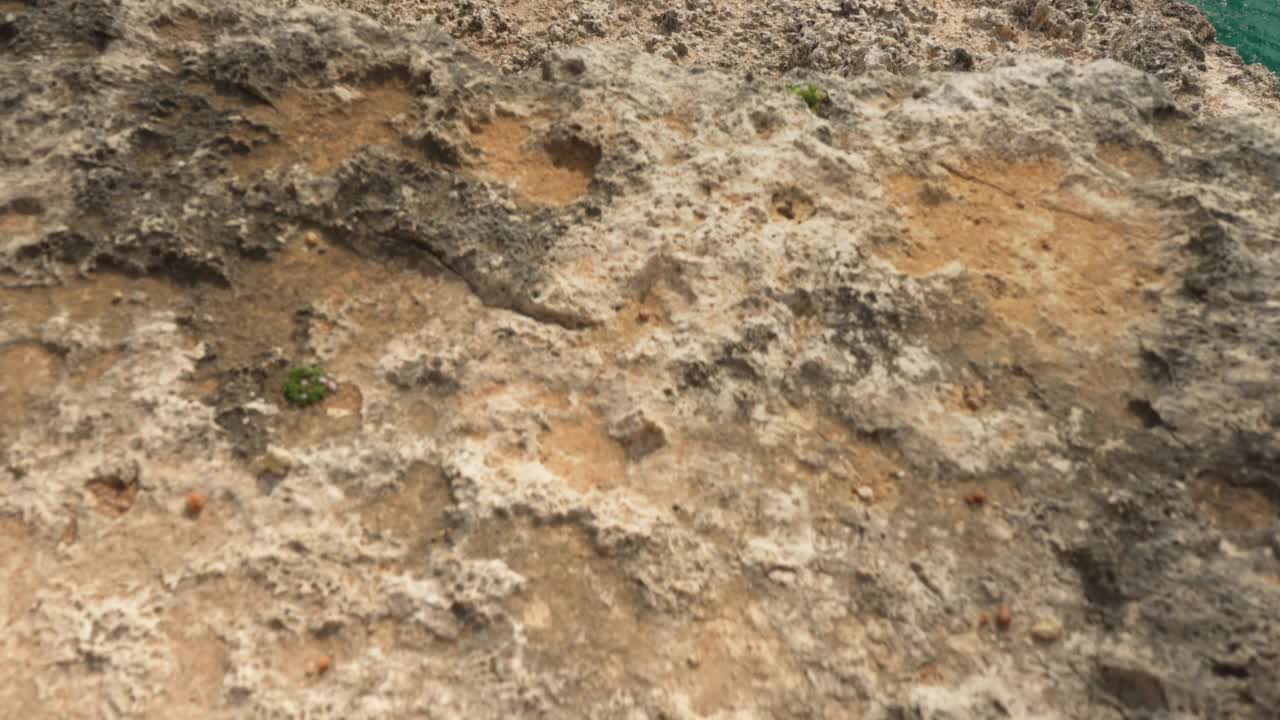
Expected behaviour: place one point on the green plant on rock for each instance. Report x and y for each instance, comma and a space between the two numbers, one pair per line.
305, 385
810, 93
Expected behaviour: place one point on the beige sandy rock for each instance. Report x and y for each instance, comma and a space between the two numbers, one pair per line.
620, 343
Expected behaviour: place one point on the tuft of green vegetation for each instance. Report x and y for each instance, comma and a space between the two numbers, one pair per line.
305, 385
810, 93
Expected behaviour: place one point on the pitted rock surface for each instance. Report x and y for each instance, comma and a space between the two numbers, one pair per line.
659, 395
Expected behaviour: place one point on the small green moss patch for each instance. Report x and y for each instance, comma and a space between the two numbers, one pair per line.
306, 385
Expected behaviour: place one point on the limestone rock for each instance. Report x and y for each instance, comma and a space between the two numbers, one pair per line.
662, 394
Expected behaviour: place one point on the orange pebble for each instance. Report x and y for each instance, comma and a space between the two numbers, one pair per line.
977, 498
195, 503
323, 664
1004, 617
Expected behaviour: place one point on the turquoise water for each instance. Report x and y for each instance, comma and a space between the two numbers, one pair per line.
1250, 26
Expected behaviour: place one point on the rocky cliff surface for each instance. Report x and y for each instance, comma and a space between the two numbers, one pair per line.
1169, 38
659, 395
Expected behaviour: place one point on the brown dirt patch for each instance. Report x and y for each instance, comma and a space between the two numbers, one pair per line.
317, 297
1065, 272
27, 372
321, 131
578, 449
200, 663
18, 690
1234, 507
732, 658
578, 610
807, 449
312, 290
298, 289
113, 495
416, 513
543, 172
144, 539
18, 564
103, 301
968, 511
16, 223
214, 604
848, 462
316, 278
1053, 260
307, 271
574, 443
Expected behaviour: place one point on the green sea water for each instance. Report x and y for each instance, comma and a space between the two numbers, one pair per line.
1250, 26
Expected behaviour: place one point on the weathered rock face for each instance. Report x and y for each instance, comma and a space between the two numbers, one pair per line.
660, 395
1168, 38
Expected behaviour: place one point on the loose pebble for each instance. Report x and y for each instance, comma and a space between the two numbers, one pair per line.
195, 503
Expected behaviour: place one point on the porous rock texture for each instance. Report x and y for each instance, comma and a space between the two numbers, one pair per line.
660, 396
1168, 38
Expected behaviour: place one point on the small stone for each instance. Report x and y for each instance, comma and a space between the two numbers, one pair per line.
866, 493
323, 665
1047, 629
195, 503
276, 461
1000, 530
638, 435
1004, 616
783, 576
